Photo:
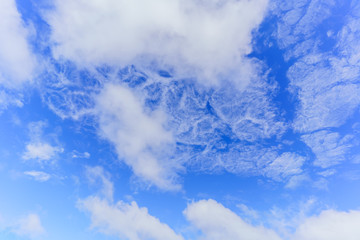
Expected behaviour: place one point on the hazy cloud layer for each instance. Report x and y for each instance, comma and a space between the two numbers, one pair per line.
29, 226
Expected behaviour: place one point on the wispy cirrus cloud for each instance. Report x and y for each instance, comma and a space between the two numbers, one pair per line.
329, 147
38, 175
287, 164
324, 48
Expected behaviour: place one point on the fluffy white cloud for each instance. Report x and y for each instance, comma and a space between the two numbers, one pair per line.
126, 220
29, 226
330, 225
217, 223
17, 63
38, 175
139, 138
208, 39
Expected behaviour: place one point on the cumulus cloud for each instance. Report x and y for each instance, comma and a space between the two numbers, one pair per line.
38, 175
29, 226
17, 62
330, 225
217, 223
139, 138
126, 220
207, 39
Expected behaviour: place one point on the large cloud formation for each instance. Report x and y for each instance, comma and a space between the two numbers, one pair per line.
17, 62
215, 221
200, 38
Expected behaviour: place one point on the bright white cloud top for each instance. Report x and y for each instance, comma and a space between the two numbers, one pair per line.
17, 62
185, 120
195, 38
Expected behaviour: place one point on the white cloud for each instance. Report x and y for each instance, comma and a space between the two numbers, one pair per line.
139, 138
329, 147
217, 223
38, 175
330, 225
76, 154
326, 82
296, 180
127, 221
17, 63
9, 98
29, 226
208, 39
249, 212
41, 151
38, 148
327, 173
124, 220
286, 220
330, 107
287, 164
97, 173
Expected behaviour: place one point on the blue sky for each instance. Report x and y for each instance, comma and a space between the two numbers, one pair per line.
184, 120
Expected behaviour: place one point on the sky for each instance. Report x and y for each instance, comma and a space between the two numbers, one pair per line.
179, 119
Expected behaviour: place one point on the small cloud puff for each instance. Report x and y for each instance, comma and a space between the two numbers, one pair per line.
41, 151
38, 175
38, 148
